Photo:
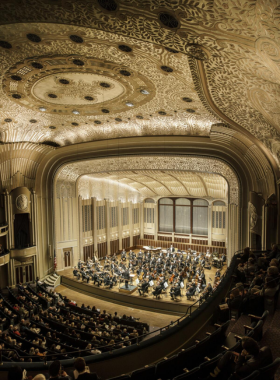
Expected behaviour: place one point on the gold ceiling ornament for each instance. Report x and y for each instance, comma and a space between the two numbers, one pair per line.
124, 89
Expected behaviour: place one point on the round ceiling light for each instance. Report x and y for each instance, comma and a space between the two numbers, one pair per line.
76, 39
52, 127
167, 69
118, 119
33, 121
75, 124
43, 109
104, 84
108, 5
16, 78
125, 73
104, 110
97, 121
129, 104
89, 98
162, 113
53, 96
144, 92
16, 96
125, 48
33, 37
139, 117
78, 62
8, 120
76, 112
188, 100
64, 81
190, 110
5, 45
37, 65
168, 20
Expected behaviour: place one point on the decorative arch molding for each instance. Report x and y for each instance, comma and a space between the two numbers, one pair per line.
70, 173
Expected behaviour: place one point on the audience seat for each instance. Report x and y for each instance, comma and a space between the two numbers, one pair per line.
191, 375
268, 372
147, 373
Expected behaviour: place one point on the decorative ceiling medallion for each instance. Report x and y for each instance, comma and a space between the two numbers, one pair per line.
5, 45
21, 202
64, 86
168, 20
33, 37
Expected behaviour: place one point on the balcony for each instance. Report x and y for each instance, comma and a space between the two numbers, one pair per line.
22, 254
4, 229
4, 259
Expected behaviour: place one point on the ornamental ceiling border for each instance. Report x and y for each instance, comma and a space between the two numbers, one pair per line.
68, 175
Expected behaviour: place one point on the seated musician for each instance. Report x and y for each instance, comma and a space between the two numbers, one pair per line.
76, 273
143, 288
191, 290
85, 276
175, 290
123, 255
96, 278
157, 290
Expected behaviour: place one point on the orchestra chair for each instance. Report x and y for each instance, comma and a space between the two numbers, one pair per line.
121, 377
190, 375
147, 373
208, 366
167, 368
268, 372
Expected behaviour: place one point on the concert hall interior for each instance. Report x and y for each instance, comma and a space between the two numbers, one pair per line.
140, 182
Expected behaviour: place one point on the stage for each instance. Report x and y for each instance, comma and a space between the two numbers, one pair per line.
148, 302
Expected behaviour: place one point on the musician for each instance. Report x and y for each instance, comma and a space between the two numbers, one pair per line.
126, 276
191, 290
96, 278
143, 288
175, 290
172, 249
76, 273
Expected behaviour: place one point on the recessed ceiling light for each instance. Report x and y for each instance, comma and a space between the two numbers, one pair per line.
129, 104
43, 109
144, 92
75, 112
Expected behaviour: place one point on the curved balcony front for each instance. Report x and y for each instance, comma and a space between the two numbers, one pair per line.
4, 229
22, 254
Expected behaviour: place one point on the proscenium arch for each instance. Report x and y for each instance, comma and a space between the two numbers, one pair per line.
52, 163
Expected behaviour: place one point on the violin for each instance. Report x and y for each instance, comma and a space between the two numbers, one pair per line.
171, 278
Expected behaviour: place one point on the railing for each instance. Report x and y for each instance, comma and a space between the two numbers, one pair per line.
110, 348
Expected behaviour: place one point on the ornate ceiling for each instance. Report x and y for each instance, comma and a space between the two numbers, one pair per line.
56, 53
151, 176
156, 183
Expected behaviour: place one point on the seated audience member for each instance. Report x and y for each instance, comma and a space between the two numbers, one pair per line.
39, 377
16, 373
81, 373
55, 371
238, 366
245, 256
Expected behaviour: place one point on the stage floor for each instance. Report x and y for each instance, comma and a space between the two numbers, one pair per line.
165, 297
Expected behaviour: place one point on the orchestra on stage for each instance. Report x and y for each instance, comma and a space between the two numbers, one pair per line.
155, 271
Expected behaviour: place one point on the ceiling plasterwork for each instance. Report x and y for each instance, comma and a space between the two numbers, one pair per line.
68, 92
155, 173
238, 42
151, 183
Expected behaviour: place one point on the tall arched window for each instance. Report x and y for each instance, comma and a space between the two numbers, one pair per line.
166, 213
200, 217
183, 216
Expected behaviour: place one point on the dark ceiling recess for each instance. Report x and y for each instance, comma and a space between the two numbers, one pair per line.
52, 127
104, 110
16, 96
33, 37
168, 20
78, 62
118, 119
188, 100
75, 124
5, 45
139, 117
125, 48
63, 81
90, 98
8, 120
108, 5
190, 110
16, 77
37, 65
171, 50
53, 96
167, 69
97, 121
162, 112
125, 73
104, 84
76, 39
51, 143
33, 121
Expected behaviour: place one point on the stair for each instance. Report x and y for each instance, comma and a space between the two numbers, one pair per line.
52, 280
